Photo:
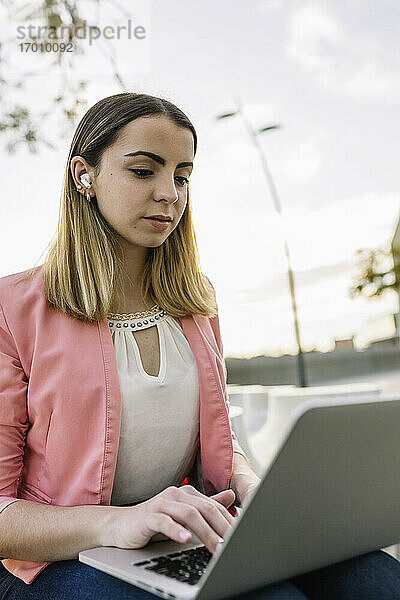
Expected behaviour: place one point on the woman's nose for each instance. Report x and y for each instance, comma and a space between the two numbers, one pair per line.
166, 191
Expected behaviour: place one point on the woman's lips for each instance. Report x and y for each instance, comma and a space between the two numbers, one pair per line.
157, 224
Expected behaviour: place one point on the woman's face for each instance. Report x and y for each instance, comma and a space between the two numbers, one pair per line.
129, 188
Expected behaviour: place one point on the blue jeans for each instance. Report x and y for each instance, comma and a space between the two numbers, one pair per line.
372, 576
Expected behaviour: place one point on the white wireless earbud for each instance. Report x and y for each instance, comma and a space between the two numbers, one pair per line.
85, 180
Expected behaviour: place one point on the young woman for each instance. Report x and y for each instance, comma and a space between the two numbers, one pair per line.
112, 377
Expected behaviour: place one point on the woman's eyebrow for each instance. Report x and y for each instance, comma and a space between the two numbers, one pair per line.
158, 158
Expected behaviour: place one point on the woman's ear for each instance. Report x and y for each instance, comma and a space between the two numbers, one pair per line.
78, 168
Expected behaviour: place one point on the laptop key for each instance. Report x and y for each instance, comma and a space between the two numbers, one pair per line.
186, 566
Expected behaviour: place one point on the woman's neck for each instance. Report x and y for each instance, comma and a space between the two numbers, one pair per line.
129, 309
130, 299
131, 304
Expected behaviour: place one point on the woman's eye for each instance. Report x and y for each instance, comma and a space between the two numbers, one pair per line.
185, 180
145, 173
141, 172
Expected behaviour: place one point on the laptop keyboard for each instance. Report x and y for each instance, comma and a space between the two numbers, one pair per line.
186, 566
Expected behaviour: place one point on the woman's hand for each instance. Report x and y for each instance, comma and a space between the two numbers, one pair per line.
172, 511
244, 480
247, 491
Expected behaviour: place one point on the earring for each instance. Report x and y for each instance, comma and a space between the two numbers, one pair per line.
79, 188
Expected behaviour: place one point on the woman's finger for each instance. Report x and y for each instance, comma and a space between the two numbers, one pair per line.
222, 509
206, 522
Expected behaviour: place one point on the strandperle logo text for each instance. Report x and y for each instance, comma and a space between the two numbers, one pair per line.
82, 32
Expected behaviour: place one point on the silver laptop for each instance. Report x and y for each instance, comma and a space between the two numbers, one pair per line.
331, 492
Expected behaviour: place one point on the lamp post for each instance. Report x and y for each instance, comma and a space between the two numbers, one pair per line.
254, 137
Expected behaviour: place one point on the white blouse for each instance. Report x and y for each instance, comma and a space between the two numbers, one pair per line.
160, 418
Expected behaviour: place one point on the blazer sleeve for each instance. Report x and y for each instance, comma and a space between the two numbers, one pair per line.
13, 415
214, 321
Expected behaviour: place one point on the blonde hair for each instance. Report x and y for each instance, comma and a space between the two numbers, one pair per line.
82, 270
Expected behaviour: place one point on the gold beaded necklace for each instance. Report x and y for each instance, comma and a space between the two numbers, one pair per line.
137, 315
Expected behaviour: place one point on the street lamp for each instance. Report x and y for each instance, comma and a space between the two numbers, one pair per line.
254, 137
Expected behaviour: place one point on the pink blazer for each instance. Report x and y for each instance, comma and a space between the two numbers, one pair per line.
60, 405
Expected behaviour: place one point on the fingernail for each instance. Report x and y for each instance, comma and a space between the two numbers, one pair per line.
218, 547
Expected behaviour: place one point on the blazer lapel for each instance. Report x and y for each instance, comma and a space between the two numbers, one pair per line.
216, 447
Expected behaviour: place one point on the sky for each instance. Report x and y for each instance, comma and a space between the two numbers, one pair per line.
327, 72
